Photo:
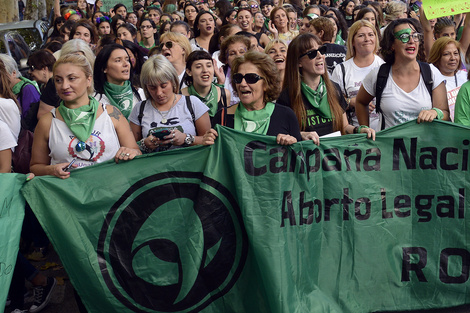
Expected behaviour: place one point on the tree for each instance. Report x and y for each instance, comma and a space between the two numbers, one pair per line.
35, 9
9, 11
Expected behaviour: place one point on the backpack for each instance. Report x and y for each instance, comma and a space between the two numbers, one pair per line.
382, 76
31, 118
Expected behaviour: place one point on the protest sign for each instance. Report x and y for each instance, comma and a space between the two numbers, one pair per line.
439, 8
245, 225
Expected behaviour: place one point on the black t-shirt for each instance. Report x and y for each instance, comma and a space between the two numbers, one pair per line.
315, 122
283, 121
334, 55
49, 94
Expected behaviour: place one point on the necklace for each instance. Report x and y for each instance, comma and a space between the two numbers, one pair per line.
164, 115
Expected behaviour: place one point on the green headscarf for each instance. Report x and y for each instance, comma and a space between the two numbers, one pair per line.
210, 100
80, 120
317, 98
253, 121
120, 96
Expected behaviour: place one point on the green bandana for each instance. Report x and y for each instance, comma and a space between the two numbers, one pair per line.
120, 96
17, 88
210, 100
80, 120
317, 98
253, 121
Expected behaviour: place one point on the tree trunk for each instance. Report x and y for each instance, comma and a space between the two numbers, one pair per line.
31, 11
49, 6
9, 11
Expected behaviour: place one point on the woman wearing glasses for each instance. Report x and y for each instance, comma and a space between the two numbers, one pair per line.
148, 29
176, 48
405, 94
317, 101
190, 13
256, 81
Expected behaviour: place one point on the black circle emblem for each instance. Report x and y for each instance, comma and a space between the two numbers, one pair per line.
173, 242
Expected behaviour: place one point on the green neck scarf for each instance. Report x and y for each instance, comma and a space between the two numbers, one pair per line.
17, 88
317, 98
253, 121
210, 100
80, 120
120, 96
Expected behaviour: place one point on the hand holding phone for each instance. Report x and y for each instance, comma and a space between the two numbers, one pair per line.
65, 169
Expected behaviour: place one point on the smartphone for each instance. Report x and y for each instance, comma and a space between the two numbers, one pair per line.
162, 132
65, 169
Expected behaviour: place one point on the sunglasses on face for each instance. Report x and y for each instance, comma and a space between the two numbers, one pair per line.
250, 78
146, 26
406, 37
32, 68
168, 44
254, 6
312, 54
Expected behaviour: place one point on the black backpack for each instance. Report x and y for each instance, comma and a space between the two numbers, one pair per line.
382, 76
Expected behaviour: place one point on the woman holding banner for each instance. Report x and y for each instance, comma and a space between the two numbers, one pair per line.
256, 81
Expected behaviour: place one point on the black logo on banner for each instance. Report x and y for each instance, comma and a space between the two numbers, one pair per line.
173, 242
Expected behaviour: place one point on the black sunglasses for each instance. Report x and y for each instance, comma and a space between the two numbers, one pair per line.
250, 78
312, 54
168, 44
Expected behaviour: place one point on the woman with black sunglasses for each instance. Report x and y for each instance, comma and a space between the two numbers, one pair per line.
256, 81
176, 48
317, 101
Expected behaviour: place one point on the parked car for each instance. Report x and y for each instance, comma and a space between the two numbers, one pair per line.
33, 32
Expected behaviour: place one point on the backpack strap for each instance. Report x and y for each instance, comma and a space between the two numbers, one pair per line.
382, 78
141, 111
136, 93
223, 97
190, 108
426, 73
343, 70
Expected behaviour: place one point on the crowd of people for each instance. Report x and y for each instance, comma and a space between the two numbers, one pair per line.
115, 83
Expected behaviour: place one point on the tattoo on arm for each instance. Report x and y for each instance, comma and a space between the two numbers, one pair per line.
116, 114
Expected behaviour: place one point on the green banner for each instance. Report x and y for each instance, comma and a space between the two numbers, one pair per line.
11, 221
249, 226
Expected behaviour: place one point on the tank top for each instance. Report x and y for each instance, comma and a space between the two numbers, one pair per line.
101, 146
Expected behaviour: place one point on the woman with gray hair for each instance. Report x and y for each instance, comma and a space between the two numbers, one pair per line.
166, 119
49, 97
25, 90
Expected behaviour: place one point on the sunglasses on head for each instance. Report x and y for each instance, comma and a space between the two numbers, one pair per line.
250, 78
312, 54
168, 44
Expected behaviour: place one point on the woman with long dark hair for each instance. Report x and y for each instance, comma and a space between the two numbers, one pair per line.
317, 102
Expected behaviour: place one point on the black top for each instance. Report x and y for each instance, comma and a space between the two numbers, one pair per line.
49, 94
283, 121
314, 122
334, 55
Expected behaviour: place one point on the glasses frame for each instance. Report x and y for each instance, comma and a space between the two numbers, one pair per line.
250, 78
168, 44
312, 54
417, 37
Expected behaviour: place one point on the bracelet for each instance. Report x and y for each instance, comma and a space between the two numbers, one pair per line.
360, 128
143, 147
440, 114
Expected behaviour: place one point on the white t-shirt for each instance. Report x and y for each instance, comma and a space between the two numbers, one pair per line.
453, 81
178, 116
10, 114
353, 77
7, 141
397, 105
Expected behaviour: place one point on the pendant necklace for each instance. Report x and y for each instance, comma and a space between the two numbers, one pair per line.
164, 119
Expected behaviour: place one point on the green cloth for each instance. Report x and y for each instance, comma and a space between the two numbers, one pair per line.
141, 43
317, 98
253, 121
80, 120
17, 88
121, 97
246, 225
210, 100
339, 40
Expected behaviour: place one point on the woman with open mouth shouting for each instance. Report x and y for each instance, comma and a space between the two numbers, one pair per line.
256, 82
204, 29
199, 76
316, 100
410, 89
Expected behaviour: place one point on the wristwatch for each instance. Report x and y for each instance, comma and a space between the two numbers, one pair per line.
188, 140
